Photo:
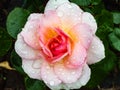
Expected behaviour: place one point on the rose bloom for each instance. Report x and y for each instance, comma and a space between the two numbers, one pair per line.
57, 46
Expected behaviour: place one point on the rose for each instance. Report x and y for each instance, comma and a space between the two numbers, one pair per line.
57, 46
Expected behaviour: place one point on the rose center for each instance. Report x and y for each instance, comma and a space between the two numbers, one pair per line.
58, 45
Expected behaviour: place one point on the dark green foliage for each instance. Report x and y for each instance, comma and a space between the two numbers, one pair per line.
5, 42
16, 21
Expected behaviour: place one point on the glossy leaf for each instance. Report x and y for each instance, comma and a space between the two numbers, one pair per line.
16, 20
116, 17
33, 84
115, 39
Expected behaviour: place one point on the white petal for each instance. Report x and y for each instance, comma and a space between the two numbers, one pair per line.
96, 51
67, 75
53, 4
34, 16
84, 78
69, 14
32, 68
24, 51
87, 18
48, 75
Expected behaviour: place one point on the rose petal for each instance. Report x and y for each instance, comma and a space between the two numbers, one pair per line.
96, 51
34, 17
53, 4
84, 78
48, 24
87, 18
48, 75
29, 32
69, 14
77, 57
32, 68
65, 74
24, 51
82, 33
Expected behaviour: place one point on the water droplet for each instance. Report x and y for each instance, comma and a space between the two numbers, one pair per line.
31, 26
47, 67
69, 6
63, 73
52, 83
93, 47
73, 73
25, 52
60, 14
60, 69
88, 41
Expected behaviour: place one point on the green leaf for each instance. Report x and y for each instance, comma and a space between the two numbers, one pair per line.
95, 2
116, 17
5, 42
16, 62
16, 20
105, 17
82, 2
115, 38
33, 84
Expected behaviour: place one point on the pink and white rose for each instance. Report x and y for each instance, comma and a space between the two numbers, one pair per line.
57, 46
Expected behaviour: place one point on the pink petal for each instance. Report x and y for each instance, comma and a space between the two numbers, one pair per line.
24, 51
48, 75
69, 14
29, 32
48, 24
32, 68
96, 51
65, 74
87, 18
84, 78
83, 33
77, 57
53, 4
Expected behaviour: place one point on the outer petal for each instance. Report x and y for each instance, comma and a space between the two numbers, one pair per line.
32, 68
84, 78
77, 57
81, 33
48, 23
29, 32
24, 50
69, 14
89, 19
96, 51
53, 4
48, 75
67, 75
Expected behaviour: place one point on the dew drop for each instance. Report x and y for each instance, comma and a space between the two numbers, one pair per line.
25, 52
60, 14
47, 67
73, 73
69, 6
52, 83
60, 69
93, 47
63, 73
